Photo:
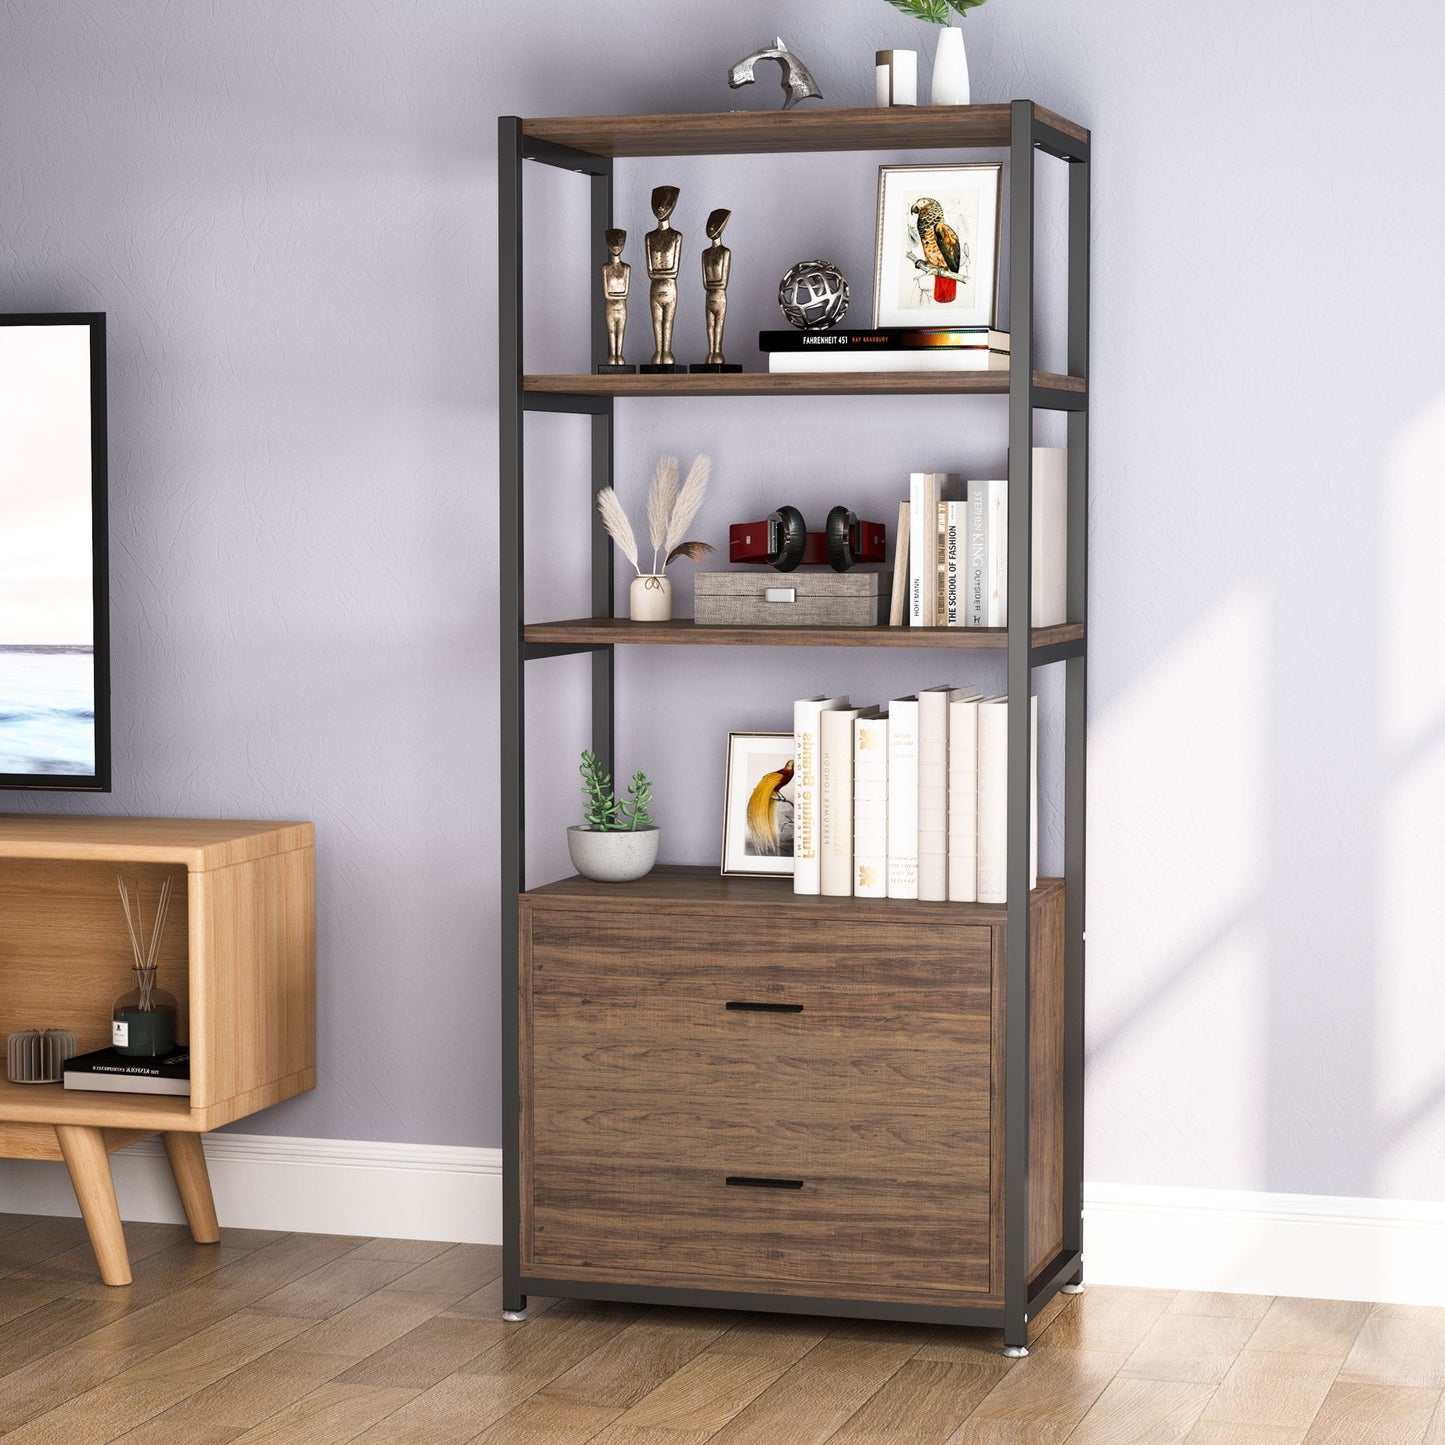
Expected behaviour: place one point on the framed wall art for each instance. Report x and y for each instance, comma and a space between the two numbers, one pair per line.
938, 245
758, 806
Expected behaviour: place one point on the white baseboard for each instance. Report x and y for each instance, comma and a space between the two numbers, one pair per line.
1318, 1246
317, 1186
1156, 1238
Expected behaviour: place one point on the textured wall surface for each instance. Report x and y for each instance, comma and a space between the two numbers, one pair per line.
288, 212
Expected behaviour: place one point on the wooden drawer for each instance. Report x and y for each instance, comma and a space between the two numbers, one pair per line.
664, 1057
900, 1016
819, 1197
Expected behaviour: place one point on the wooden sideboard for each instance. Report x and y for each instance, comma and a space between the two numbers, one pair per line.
729, 1090
238, 953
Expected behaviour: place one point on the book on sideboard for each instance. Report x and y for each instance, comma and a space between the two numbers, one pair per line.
109, 1072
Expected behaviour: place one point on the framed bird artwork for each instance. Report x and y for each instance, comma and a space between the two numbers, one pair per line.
758, 809
938, 245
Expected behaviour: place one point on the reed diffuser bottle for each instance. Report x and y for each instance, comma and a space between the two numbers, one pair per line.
143, 1021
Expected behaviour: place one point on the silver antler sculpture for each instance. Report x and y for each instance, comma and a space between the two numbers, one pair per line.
798, 82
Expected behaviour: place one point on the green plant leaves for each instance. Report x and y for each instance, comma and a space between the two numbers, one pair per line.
935, 12
604, 810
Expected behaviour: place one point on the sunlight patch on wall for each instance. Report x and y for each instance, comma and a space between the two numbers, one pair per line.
1179, 803
1410, 979
1412, 571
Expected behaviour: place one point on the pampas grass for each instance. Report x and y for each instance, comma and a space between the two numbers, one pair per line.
670, 513
689, 502
660, 502
618, 527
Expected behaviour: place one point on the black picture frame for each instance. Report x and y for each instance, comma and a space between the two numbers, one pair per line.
100, 780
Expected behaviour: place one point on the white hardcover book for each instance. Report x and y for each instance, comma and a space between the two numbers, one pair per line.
899, 601
1049, 572
993, 799
836, 781
955, 565
963, 800
870, 807
958, 358
933, 705
903, 798
807, 794
922, 541
975, 597
995, 580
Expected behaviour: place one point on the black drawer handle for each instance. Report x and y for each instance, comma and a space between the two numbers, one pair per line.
745, 1006
745, 1181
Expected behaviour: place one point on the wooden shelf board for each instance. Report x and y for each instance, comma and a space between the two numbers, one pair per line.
784, 383
759, 132
671, 885
199, 844
683, 631
54, 1104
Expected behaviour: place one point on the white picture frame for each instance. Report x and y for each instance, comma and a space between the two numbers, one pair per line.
753, 757
907, 290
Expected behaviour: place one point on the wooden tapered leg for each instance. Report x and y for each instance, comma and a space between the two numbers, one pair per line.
89, 1166
188, 1165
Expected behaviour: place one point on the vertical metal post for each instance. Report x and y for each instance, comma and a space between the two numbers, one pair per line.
1076, 714
1020, 678
603, 660
512, 730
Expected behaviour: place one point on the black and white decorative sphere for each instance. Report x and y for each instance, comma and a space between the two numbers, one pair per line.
813, 295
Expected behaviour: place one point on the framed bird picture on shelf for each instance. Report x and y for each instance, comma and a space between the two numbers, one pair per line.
758, 806
938, 245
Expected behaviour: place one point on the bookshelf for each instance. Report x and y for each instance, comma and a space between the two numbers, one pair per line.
641, 1101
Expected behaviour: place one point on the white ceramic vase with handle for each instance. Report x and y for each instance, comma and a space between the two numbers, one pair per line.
950, 68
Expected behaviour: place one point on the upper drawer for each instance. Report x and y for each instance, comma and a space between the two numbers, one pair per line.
899, 1014
903, 972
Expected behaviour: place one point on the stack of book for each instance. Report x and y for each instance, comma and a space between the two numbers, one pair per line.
950, 566
888, 348
109, 1072
911, 804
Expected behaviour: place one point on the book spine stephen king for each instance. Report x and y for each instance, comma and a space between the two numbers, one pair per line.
975, 597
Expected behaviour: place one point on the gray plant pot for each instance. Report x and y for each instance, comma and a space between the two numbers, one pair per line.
613, 857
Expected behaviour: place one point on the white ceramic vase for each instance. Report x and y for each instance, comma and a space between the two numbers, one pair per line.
621, 857
651, 599
950, 68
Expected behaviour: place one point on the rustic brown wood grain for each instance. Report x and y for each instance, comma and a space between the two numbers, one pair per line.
755, 132
684, 632
797, 383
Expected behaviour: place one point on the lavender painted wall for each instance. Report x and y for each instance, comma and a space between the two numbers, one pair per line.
287, 211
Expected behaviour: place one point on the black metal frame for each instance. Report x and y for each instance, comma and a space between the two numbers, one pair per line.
100, 780
1023, 1296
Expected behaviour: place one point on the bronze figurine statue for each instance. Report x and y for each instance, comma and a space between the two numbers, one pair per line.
717, 263
616, 282
664, 256
798, 82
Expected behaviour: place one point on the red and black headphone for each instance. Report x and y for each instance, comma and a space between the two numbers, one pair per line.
782, 540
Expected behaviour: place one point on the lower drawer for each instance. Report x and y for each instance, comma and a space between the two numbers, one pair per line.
728, 1194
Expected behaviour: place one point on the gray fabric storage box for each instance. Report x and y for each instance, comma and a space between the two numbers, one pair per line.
764, 597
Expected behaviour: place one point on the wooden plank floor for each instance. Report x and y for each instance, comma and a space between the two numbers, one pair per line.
314, 1339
